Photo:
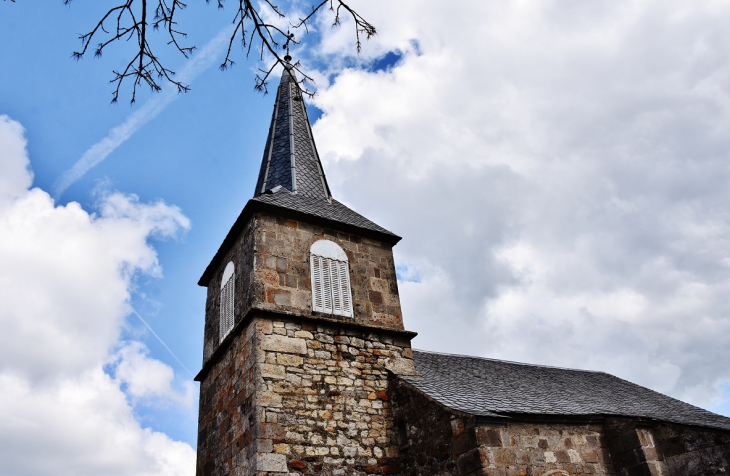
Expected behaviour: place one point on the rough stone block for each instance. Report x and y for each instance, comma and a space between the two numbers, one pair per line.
589, 456
400, 366
270, 399
376, 297
264, 326
272, 371
562, 456
289, 360
457, 426
271, 462
279, 297
270, 262
288, 345
464, 442
267, 276
489, 436
469, 462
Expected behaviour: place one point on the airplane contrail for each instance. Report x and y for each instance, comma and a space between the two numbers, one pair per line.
119, 134
163, 343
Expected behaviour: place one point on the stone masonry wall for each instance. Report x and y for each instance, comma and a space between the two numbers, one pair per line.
692, 451
227, 438
296, 395
282, 276
632, 449
665, 449
324, 396
439, 441
271, 259
242, 255
526, 449
434, 440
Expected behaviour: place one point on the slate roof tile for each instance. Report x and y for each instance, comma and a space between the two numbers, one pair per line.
290, 156
290, 134
320, 208
488, 387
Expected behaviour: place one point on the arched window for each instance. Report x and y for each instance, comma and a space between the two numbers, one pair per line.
228, 288
330, 279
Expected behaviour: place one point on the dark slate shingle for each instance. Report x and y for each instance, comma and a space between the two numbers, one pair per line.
316, 211
488, 387
290, 131
290, 142
320, 208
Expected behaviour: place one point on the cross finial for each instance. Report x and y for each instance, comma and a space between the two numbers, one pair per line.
289, 37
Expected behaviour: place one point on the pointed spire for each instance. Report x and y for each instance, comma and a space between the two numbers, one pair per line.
290, 158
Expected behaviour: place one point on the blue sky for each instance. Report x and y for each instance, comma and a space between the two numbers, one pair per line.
574, 160
201, 153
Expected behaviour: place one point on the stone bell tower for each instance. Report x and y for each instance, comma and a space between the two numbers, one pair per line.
303, 325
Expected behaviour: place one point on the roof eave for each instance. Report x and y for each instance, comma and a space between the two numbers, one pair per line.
254, 206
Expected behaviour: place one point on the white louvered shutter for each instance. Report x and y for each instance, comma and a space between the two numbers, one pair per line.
226, 306
317, 284
344, 286
336, 291
330, 279
326, 285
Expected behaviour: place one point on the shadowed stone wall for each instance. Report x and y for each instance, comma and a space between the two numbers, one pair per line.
665, 449
692, 451
430, 436
227, 420
242, 255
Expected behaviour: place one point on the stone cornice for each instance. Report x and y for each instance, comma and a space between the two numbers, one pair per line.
252, 313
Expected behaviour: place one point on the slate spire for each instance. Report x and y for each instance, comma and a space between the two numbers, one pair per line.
290, 158
292, 183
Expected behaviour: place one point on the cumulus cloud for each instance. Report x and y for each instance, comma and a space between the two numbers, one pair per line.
15, 175
81, 426
559, 174
148, 379
65, 285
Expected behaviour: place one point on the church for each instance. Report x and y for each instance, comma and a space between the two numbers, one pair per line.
308, 370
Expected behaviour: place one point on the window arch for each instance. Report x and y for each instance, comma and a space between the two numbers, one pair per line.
228, 287
330, 279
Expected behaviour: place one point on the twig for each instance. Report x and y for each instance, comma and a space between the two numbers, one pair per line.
129, 19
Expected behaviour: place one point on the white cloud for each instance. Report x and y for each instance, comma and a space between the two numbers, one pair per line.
559, 173
66, 277
81, 426
149, 379
64, 285
15, 176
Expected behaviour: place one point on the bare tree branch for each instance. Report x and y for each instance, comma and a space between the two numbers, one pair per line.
129, 19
